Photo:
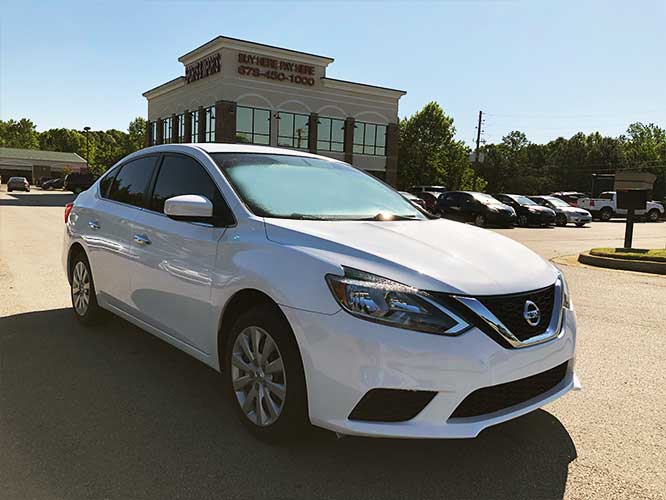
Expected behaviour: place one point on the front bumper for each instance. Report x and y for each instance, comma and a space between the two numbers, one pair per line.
501, 218
345, 357
575, 218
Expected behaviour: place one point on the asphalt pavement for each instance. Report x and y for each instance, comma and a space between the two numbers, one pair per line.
112, 412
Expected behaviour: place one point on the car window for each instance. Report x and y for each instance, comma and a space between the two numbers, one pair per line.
130, 184
106, 182
180, 175
606, 196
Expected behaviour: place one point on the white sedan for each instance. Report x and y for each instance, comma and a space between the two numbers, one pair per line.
321, 295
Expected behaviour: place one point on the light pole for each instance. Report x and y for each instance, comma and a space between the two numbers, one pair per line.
86, 130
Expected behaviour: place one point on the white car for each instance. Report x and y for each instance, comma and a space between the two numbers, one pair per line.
605, 207
320, 293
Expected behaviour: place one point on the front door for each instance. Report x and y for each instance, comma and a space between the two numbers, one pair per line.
173, 265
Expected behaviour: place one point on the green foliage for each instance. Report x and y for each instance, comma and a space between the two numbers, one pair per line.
429, 154
101, 148
19, 134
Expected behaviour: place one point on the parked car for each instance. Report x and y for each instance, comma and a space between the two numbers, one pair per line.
18, 184
351, 310
479, 208
571, 197
413, 199
564, 213
77, 182
56, 183
435, 190
528, 212
605, 207
430, 200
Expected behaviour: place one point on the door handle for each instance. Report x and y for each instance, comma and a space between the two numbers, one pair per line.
142, 239
93, 224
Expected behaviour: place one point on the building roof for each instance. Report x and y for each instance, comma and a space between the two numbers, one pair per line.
38, 155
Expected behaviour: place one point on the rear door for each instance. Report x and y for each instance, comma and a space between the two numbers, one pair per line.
108, 225
173, 261
452, 206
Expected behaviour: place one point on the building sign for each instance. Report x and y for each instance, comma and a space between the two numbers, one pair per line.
275, 69
203, 68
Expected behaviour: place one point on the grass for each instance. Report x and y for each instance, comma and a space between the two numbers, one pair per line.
653, 255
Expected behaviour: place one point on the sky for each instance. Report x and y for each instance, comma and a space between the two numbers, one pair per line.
547, 68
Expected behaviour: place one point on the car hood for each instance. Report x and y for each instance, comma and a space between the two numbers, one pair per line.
438, 255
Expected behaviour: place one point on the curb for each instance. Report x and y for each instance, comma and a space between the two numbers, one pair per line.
624, 264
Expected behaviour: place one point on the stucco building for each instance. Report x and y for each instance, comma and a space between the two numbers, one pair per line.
240, 91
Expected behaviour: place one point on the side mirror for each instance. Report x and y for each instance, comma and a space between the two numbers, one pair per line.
189, 208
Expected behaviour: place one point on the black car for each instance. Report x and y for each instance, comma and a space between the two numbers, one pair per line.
78, 182
479, 208
56, 183
528, 212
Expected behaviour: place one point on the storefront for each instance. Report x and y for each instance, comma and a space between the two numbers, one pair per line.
239, 91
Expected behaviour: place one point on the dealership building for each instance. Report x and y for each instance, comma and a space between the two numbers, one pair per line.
240, 91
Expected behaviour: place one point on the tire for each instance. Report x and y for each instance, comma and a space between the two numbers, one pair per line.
653, 215
82, 292
580, 224
522, 220
561, 220
480, 220
282, 413
606, 214
9, 190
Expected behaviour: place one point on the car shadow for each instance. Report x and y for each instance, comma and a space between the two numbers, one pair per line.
47, 199
112, 412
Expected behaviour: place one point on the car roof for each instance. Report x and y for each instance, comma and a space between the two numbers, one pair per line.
215, 147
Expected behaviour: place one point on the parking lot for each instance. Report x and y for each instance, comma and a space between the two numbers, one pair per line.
112, 412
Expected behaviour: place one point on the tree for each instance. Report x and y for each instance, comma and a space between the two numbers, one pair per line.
18, 134
136, 135
63, 139
429, 154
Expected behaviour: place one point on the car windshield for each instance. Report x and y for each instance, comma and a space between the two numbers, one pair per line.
557, 202
297, 187
522, 200
486, 199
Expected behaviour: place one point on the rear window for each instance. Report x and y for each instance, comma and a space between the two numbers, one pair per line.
130, 185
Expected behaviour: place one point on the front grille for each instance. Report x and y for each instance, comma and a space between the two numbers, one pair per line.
502, 396
509, 310
390, 405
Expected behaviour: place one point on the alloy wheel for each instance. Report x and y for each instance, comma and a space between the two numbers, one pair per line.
480, 220
258, 376
522, 220
81, 288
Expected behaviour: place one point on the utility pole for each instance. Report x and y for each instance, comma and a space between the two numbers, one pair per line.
478, 144
86, 130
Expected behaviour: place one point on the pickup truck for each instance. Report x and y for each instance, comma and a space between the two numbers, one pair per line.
605, 207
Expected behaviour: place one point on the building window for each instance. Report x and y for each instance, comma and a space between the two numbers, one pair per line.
153, 133
195, 126
209, 134
293, 130
370, 139
166, 130
181, 128
253, 125
331, 134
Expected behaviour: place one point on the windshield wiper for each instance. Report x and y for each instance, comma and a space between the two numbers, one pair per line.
307, 217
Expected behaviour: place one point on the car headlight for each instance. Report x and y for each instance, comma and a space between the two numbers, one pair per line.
566, 298
380, 300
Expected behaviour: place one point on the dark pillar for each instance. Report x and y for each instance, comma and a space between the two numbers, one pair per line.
313, 130
392, 139
225, 122
149, 127
160, 130
187, 116
174, 128
349, 139
201, 133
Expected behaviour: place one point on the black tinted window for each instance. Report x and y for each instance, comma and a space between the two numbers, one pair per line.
182, 175
106, 182
130, 184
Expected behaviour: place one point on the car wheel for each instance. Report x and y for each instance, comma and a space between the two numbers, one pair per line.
84, 300
561, 220
653, 215
9, 190
480, 220
264, 375
522, 220
606, 214
580, 224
